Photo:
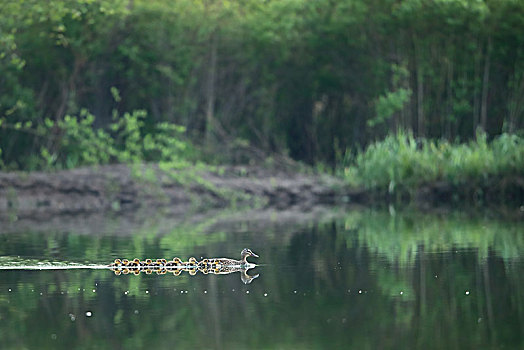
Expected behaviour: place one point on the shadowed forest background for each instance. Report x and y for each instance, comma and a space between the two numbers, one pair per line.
87, 82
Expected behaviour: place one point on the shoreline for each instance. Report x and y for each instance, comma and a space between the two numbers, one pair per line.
128, 188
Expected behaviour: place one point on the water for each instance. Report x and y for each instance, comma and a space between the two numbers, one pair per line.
350, 279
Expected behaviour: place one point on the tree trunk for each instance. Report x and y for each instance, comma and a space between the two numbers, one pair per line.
420, 101
485, 82
476, 99
515, 103
449, 102
210, 89
420, 90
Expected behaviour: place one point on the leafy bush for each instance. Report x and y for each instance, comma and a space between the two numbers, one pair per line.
74, 141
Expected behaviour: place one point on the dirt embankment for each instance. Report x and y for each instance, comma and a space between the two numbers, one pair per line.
121, 188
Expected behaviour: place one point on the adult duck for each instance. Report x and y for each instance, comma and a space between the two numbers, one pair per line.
244, 254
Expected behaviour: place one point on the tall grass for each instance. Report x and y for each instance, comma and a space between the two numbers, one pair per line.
402, 162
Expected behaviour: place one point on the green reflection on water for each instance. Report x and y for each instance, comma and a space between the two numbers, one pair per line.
366, 279
398, 237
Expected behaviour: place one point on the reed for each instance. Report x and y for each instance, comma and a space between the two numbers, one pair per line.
401, 162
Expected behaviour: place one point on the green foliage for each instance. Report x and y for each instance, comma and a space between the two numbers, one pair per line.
295, 77
74, 141
388, 104
402, 161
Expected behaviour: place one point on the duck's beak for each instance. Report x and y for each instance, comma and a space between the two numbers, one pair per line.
256, 256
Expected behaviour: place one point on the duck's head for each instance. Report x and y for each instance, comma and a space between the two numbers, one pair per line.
247, 252
149, 261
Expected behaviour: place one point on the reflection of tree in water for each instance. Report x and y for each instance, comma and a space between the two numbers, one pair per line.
347, 275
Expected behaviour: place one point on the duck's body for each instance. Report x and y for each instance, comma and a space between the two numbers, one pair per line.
232, 262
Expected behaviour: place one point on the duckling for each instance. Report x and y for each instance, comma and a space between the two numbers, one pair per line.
117, 272
117, 262
203, 264
174, 262
192, 262
149, 261
125, 262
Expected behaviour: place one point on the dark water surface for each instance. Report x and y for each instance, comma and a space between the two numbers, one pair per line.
357, 279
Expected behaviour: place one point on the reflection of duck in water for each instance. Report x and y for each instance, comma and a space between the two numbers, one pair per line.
247, 279
217, 266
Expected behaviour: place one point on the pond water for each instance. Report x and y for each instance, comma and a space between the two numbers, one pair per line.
352, 279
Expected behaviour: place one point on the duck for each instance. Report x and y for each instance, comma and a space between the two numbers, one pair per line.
244, 254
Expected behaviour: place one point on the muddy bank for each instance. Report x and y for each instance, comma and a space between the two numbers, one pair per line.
122, 188
128, 189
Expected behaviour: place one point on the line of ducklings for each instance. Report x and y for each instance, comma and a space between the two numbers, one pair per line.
162, 266
176, 266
